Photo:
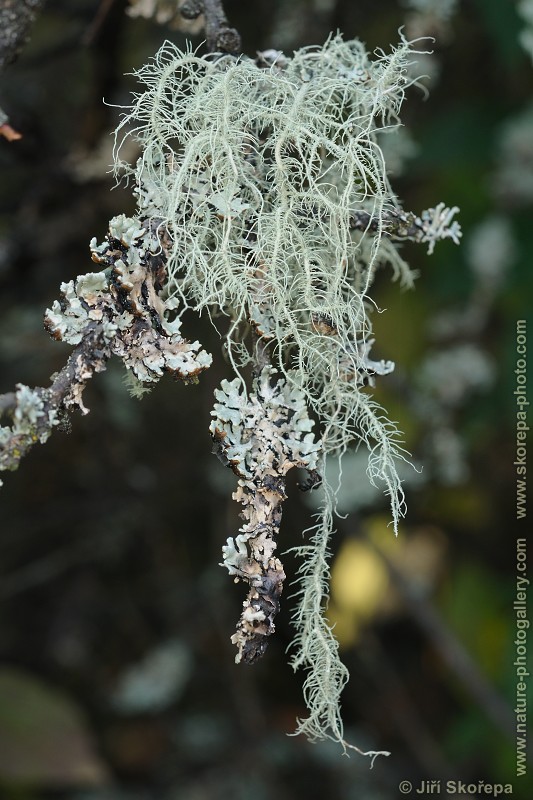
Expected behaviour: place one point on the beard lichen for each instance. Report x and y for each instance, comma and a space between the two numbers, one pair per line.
267, 178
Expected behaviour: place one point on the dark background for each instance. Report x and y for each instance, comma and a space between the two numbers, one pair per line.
117, 679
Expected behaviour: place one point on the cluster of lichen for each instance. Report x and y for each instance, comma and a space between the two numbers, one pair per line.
269, 181
123, 300
255, 168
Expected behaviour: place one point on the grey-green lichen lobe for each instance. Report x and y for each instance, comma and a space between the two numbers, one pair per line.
32, 421
126, 229
30, 414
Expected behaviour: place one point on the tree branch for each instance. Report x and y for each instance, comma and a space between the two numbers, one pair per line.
220, 37
35, 412
432, 225
118, 311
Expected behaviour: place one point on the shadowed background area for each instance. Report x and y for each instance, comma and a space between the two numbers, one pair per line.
117, 676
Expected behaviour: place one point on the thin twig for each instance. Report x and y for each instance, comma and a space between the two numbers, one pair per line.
220, 37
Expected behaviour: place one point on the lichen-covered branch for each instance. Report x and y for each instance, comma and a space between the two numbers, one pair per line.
432, 225
126, 298
260, 437
33, 413
118, 311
